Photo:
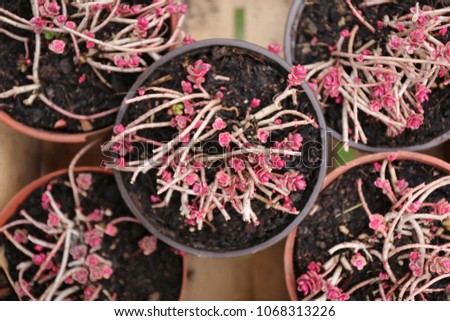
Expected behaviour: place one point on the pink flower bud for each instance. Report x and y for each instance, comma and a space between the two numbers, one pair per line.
38, 24
345, 33
84, 181
442, 207
422, 93
392, 157
219, 124
118, 129
415, 207
395, 43
52, 220
57, 46
141, 91
188, 40
92, 260
377, 223
155, 199
107, 271
61, 19
358, 261
96, 215
197, 72
377, 166
111, 230
89, 293
71, 25
135, 9
38, 259
21, 236
78, 252
263, 135
143, 23
277, 162
148, 245
223, 179
297, 75
93, 237
61, 123
224, 139
414, 121
82, 79
237, 164
219, 95
314, 266
191, 179
263, 176
255, 103
275, 48
186, 86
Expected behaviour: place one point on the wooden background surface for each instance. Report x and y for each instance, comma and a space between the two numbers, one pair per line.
255, 277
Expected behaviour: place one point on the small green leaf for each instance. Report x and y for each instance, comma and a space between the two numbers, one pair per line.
49, 35
178, 109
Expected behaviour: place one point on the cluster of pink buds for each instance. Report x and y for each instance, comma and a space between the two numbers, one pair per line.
126, 61
197, 72
412, 235
49, 8
312, 283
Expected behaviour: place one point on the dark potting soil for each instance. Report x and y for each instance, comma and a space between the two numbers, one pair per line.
321, 19
320, 231
251, 76
59, 77
136, 277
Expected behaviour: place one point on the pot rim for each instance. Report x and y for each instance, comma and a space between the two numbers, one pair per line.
11, 207
315, 191
294, 17
49, 136
330, 178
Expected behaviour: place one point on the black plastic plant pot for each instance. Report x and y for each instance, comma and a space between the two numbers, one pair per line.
294, 37
242, 71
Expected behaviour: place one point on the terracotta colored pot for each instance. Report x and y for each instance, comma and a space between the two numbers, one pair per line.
290, 34
10, 209
289, 270
279, 63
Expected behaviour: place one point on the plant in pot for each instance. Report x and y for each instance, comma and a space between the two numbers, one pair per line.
69, 236
66, 65
379, 68
380, 230
225, 155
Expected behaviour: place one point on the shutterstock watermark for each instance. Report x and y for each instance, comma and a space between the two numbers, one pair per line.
211, 153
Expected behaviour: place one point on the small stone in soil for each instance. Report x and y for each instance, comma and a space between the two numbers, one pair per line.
36, 114
66, 66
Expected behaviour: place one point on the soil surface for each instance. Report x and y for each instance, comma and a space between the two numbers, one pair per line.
325, 19
136, 277
321, 230
59, 77
251, 76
